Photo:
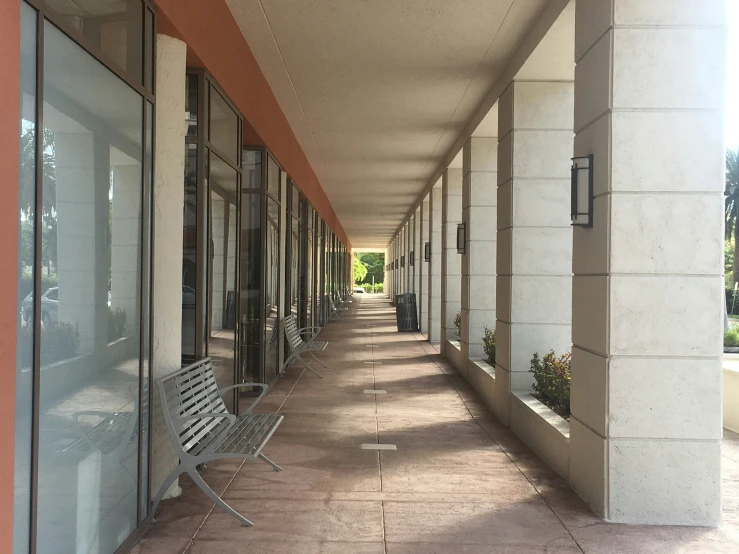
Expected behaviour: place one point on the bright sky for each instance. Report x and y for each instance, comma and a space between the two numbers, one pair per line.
732, 77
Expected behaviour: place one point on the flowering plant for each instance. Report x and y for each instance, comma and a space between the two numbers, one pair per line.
552, 378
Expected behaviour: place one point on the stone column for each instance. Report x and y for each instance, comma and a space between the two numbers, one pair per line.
434, 313
451, 262
479, 212
169, 198
534, 261
417, 254
645, 442
423, 305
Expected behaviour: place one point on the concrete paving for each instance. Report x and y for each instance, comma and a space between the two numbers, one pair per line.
458, 482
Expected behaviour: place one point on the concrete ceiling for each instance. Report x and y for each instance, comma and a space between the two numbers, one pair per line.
380, 92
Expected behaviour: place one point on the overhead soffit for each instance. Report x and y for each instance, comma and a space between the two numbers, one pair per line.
378, 91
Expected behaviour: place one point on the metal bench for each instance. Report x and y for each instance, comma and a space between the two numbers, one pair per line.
299, 346
202, 429
335, 308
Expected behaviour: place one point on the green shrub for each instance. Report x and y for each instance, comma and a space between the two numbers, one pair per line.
367, 287
552, 380
116, 324
488, 345
379, 287
59, 341
731, 337
458, 325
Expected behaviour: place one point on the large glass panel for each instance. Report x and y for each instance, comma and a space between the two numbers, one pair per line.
191, 105
294, 265
90, 313
309, 255
224, 127
114, 26
146, 312
271, 290
273, 178
222, 322
189, 254
26, 251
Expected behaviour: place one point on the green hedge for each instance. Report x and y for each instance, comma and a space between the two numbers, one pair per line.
552, 379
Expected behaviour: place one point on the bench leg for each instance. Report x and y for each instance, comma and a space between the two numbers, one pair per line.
165, 486
270, 462
200, 482
316, 359
308, 367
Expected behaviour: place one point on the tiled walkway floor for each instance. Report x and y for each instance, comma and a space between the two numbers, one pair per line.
458, 481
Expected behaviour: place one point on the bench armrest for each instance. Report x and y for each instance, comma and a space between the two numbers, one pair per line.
310, 330
263, 386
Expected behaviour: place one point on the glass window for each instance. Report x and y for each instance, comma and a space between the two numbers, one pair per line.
251, 165
114, 26
191, 105
271, 291
90, 335
224, 127
189, 254
25, 304
273, 178
250, 277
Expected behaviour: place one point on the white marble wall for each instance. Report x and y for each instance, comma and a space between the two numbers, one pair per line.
451, 261
647, 297
479, 212
534, 260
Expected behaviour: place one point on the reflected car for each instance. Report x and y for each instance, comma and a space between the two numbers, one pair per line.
49, 307
360, 290
188, 297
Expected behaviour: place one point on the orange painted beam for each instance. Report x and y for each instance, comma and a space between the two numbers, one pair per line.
214, 37
9, 143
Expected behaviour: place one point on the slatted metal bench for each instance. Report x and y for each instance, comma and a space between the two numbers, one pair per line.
335, 308
299, 346
202, 429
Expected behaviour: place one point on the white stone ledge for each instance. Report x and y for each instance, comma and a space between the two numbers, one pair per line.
481, 376
545, 432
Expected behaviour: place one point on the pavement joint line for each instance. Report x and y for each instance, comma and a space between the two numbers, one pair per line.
375, 446
374, 391
372, 345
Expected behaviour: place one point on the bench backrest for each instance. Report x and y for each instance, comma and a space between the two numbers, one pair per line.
189, 392
291, 332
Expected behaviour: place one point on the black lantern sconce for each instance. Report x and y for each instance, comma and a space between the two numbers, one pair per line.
402, 261
427, 252
461, 237
581, 190
412, 258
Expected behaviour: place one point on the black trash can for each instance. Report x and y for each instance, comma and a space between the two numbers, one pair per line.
405, 312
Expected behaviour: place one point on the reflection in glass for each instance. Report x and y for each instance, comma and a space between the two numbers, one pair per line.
224, 127
191, 105
189, 254
273, 178
90, 306
223, 190
272, 296
26, 222
114, 26
309, 265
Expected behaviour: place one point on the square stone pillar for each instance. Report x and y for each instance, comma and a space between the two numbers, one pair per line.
411, 247
423, 304
451, 263
434, 313
417, 253
534, 284
645, 432
479, 213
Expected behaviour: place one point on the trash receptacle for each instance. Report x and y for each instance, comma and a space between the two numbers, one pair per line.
405, 312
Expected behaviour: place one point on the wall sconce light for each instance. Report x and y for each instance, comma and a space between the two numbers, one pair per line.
402, 261
412, 258
581, 190
427, 252
461, 237
397, 265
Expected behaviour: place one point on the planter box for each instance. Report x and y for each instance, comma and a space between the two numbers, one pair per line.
481, 376
545, 432
453, 353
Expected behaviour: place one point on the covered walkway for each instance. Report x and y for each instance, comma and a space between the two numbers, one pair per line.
458, 481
